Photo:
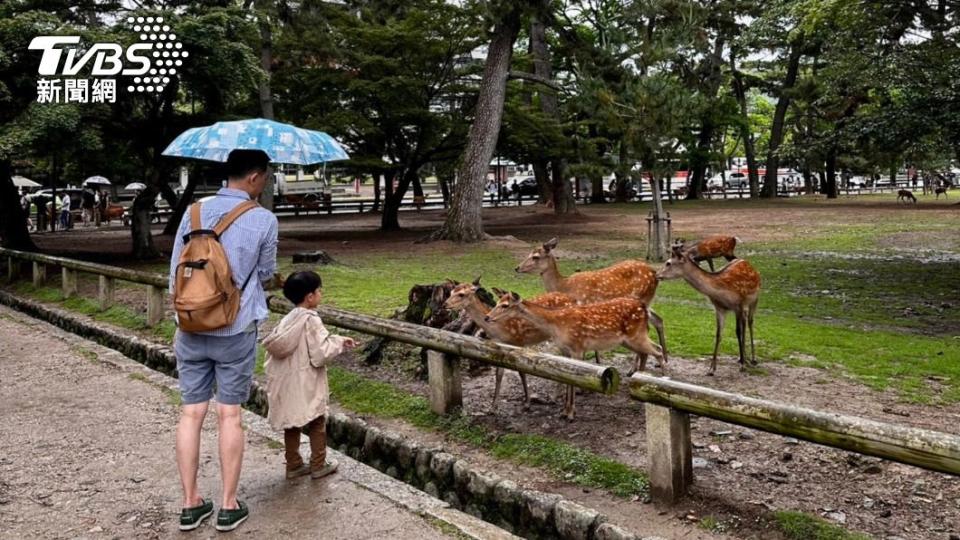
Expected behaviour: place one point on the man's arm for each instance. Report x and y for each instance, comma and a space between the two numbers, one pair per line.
267, 262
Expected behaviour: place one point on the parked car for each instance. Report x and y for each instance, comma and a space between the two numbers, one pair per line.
729, 180
526, 186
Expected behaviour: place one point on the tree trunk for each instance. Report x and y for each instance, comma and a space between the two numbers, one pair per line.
779, 115
186, 198
544, 187
143, 247
266, 96
596, 189
389, 220
831, 184
464, 221
13, 219
622, 172
749, 149
659, 239
377, 178
699, 159
445, 190
563, 201
807, 181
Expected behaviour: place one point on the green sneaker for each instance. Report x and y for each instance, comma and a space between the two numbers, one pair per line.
191, 518
228, 520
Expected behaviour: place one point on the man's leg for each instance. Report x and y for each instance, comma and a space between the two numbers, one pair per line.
188, 450
231, 452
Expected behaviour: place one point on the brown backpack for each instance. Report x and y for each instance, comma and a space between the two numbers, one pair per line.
204, 294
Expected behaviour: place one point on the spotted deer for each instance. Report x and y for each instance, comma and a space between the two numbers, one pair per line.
736, 287
626, 279
510, 330
577, 329
712, 247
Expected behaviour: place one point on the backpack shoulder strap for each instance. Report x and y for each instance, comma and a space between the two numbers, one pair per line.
195, 216
232, 216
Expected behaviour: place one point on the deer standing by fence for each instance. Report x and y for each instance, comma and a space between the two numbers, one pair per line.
510, 330
713, 247
735, 288
626, 279
577, 329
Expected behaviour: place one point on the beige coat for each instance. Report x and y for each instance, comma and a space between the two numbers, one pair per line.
298, 350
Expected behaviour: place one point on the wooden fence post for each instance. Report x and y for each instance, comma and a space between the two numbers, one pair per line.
105, 293
69, 282
669, 453
39, 274
446, 393
13, 269
154, 305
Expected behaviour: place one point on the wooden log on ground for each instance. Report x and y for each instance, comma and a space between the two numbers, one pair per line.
924, 448
594, 377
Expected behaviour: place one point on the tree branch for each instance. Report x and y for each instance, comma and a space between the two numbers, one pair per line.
523, 75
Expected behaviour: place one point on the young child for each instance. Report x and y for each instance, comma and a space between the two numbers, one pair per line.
298, 351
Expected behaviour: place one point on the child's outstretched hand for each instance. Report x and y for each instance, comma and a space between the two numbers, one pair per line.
349, 344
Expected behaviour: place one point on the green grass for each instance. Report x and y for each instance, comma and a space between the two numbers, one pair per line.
801, 526
564, 461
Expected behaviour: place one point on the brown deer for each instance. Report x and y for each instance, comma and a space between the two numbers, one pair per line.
511, 330
631, 279
712, 247
735, 288
904, 195
577, 329
943, 190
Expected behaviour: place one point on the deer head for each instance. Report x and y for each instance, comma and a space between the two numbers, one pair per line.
509, 305
461, 294
674, 267
538, 260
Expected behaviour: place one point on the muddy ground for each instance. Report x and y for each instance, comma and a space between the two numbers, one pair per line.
740, 474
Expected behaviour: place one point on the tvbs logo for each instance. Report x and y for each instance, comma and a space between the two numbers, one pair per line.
152, 61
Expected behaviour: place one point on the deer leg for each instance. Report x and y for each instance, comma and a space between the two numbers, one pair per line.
526, 390
721, 316
753, 348
710, 264
730, 257
741, 339
597, 353
657, 322
498, 374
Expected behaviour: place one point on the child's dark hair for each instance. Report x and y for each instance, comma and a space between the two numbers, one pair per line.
300, 284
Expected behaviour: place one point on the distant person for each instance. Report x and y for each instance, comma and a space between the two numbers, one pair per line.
914, 180
298, 351
65, 212
87, 205
224, 354
25, 206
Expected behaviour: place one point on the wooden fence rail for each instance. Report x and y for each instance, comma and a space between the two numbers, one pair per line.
669, 404
156, 284
445, 346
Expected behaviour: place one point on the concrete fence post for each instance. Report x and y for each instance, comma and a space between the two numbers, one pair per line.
446, 393
669, 452
39, 274
69, 282
105, 292
154, 305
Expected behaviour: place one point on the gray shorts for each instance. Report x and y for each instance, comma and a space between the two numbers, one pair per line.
229, 360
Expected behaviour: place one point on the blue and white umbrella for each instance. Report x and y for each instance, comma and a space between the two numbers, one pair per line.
282, 142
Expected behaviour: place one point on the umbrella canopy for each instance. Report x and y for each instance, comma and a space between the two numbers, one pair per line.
282, 142
135, 186
96, 181
21, 181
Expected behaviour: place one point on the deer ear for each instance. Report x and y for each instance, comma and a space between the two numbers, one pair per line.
515, 297
477, 281
551, 244
678, 249
498, 292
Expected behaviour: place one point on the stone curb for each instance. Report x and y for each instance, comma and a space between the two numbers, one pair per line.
495, 500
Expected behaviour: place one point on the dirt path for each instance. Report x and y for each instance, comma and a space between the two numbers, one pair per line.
87, 451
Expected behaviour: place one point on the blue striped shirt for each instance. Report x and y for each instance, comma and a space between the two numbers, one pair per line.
251, 246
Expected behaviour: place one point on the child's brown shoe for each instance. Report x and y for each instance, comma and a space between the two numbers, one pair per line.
328, 468
302, 470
